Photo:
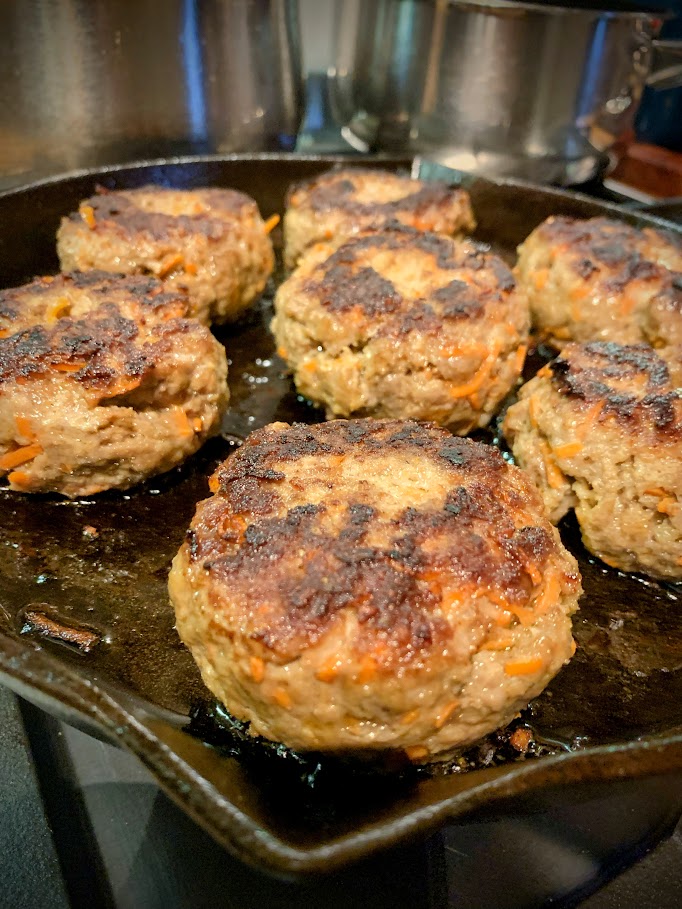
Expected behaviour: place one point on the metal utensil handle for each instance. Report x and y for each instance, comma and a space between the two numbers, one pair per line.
666, 71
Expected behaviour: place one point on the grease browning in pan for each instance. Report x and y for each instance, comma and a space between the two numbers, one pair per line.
103, 382
373, 585
338, 204
403, 323
600, 430
211, 243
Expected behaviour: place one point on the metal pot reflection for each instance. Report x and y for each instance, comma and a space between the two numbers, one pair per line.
92, 82
493, 86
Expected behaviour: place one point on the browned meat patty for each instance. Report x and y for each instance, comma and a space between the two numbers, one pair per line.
401, 323
210, 242
596, 280
103, 382
600, 430
367, 585
342, 202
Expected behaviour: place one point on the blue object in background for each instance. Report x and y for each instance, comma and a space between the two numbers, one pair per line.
659, 119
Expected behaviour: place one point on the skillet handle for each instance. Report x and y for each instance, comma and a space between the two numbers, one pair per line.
666, 71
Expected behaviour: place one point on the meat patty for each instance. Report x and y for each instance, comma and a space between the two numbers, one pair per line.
344, 201
366, 585
401, 323
600, 430
210, 242
596, 280
103, 382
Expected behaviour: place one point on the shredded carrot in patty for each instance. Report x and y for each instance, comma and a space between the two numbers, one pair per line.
271, 223
19, 478
4, 332
668, 505
568, 450
408, 718
20, 456
549, 595
416, 752
281, 697
88, 215
24, 428
520, 357
70, 367
445, 714
468, 388
169, 263
555, 478
182, 422
524, 667
257, 668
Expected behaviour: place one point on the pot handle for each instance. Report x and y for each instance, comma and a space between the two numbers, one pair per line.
666, 71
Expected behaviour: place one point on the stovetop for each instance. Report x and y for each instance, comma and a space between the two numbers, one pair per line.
85, 825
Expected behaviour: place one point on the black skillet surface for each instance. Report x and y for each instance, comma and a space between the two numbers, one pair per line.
97, 569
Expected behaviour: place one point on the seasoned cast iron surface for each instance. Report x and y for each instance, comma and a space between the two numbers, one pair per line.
87, 579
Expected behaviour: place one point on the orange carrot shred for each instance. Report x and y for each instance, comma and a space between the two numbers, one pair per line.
408, 718
445, 714
20, 456
568, 450
88, 215
282, 697
257, 667
182, 422
271, 223
327, 673
75, 366
24, 428
416, 752
520, 359
169, 263
19, 478
524, 667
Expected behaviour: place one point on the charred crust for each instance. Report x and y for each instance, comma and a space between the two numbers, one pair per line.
126, 326
352, 278
121, 211
313, 561
342, 288
339, 190
631, 382
601, 244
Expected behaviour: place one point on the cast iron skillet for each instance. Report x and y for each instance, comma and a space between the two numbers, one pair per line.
98, 567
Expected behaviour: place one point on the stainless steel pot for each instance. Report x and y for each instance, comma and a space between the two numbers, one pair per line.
496, 87
92, 82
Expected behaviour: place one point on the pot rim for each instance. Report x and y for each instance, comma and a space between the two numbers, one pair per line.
581, 7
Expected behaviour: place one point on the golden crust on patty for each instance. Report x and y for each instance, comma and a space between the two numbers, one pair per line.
363, 585
212, 243
340, 203
595, 280
600, 430
102, 382
402, 323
